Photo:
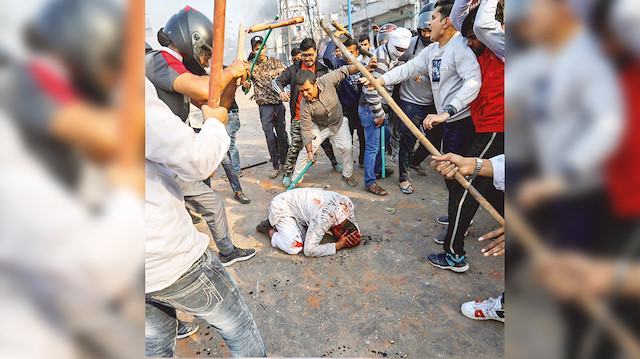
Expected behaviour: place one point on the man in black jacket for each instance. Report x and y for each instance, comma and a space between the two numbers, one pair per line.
288, 77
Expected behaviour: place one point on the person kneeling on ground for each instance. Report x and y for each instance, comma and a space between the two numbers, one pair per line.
299, 218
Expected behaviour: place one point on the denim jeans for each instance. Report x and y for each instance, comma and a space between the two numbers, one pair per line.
372, 158
231, 173
208, 292
417, 114
458, 136
233, 125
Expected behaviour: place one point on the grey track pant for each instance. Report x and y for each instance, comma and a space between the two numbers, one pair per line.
201, 199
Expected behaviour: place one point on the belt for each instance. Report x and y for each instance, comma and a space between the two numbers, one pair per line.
364, 104
235, 110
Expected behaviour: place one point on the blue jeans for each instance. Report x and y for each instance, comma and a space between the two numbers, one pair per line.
372, 158
233, 125
417, 114
231, 162
458, 136
208, 292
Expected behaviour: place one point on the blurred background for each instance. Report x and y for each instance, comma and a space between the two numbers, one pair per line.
573, 164
71, 179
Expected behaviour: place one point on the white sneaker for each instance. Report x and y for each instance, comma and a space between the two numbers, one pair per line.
484, 309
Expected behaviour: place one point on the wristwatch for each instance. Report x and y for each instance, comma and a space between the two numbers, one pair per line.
450, 109
476, 171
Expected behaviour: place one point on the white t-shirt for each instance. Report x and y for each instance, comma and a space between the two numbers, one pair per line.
172, 243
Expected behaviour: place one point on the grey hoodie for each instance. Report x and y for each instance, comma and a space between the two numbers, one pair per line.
454, 72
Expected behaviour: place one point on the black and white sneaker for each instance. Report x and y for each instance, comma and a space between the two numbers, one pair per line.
454, 263
484, 309
445, 220
186, 329
440, 237
238, 255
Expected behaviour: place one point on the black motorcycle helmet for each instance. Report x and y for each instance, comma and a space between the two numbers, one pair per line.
191, 32
87, 36
423, 20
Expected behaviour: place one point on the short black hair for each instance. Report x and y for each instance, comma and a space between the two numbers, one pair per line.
349, 227
304, 76
349, 42
307, 44
295, 51
363, 37
469, 21
445, 8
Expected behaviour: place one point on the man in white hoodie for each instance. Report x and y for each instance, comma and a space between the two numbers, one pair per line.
455, 80
180, 270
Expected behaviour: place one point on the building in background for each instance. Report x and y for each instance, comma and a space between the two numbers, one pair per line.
365, 13
284, 39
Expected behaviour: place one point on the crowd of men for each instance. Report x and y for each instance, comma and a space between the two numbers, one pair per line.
450, 83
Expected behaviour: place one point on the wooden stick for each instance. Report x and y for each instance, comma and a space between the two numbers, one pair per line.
217, 53
341, 28
416, 132
255, 59
241, 38
275, 23
595, 308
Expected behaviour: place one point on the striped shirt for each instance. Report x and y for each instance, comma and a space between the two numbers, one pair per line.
371, 96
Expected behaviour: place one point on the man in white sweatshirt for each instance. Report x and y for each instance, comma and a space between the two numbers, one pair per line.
299, 218
180, 270
455, 81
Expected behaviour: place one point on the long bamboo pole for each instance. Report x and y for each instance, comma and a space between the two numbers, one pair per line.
527, 237
416, 132
217, 53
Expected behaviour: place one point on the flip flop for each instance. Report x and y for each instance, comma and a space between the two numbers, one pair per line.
408, 189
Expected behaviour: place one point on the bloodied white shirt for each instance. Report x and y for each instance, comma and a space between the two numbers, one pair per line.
315, 210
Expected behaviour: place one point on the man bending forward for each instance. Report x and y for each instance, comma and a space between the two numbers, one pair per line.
299, 218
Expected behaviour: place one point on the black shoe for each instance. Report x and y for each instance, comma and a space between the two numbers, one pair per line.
388, 171
242, 198
350, 181
186, 329
454, 263
264, 226
440, 237
445, 220
238, 254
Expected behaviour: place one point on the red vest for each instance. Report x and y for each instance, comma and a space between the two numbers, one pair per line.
623, 168
487, 110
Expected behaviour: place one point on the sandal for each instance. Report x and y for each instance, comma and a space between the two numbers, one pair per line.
408, 189
421, 170
376, 189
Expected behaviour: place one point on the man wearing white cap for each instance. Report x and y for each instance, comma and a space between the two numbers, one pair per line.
371, 111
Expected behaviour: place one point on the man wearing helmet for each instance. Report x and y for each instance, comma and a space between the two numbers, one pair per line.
178, 73
416, 100
371, 110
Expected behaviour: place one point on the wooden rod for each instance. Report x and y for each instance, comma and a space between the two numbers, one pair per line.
217, 53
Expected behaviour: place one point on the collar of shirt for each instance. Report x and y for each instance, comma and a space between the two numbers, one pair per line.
172, 53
